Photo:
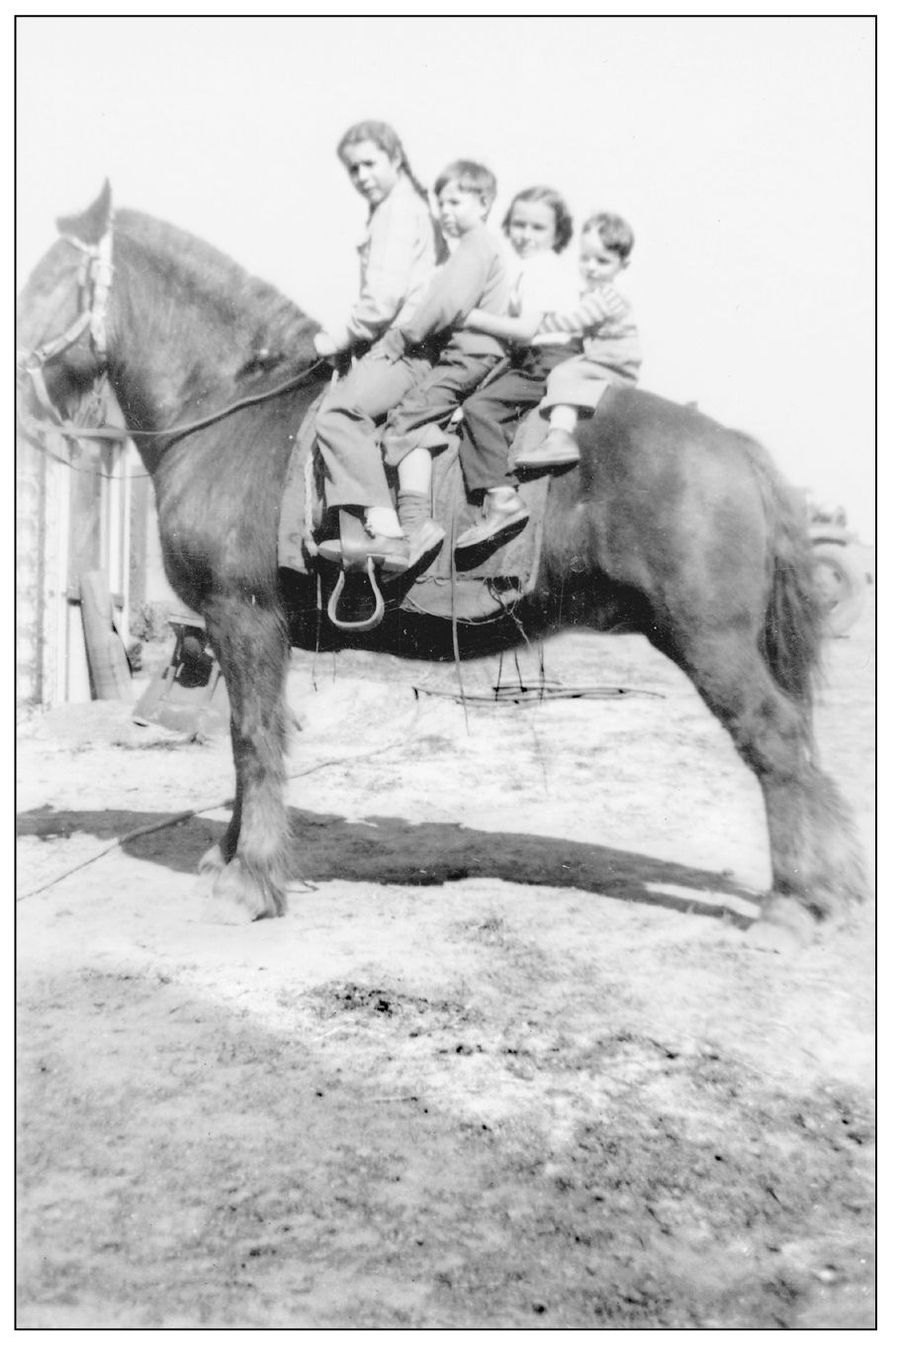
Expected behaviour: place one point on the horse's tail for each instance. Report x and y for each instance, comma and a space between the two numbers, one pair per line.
793, 632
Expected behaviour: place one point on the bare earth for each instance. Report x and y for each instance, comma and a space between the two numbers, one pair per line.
508, 1062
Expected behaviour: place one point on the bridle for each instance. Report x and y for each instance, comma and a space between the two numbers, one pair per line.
95, 275
94, 284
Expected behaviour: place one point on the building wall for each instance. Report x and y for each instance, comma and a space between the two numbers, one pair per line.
30, 515
81, 506
71, 516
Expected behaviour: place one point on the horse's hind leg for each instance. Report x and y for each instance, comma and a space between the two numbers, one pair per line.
815, 864
817, 870
250, 862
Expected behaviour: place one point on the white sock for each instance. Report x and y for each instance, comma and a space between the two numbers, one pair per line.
382, 519
502, 495
563, 418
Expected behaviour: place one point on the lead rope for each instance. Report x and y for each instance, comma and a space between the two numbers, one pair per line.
518, 671
455, 622
309, 493
318, 627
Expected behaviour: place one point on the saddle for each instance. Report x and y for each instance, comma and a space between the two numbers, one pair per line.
440, 589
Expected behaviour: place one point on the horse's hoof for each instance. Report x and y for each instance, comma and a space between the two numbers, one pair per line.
783, 928
211, 911
245, 897
774, 939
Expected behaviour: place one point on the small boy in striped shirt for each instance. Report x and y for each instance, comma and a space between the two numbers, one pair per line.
604, 324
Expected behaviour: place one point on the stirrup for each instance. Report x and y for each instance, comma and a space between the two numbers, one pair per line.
366, 623
356, 546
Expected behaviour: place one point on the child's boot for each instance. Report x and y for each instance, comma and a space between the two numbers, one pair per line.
423, 533
559, 448
379, 539
504, 515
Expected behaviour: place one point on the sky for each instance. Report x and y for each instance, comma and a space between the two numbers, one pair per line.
740, 149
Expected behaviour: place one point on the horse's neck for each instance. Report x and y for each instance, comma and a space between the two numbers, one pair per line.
174, 355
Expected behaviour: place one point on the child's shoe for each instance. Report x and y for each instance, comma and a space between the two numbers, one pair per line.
389, 554
504, 515
424, 540
558, 449
423, 533
356, 545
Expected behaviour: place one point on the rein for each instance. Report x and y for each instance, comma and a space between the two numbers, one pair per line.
251, 400
72, 431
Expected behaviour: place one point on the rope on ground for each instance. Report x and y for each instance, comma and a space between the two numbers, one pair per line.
202, 809
455, 626
513, 694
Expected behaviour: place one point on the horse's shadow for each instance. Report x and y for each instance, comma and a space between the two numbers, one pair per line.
390, 850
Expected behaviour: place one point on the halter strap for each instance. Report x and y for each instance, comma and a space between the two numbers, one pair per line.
95, 282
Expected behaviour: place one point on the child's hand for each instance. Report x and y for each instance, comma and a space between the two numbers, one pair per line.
324, 344
519, 331
392, 346
526, 327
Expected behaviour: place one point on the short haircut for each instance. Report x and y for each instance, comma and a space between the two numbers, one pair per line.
614, 231
471, 177
550, 197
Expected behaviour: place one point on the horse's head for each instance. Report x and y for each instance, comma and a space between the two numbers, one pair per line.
62, 311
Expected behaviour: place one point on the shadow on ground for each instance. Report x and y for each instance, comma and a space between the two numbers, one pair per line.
388, 850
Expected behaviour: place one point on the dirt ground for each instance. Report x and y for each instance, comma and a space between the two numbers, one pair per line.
509, 1060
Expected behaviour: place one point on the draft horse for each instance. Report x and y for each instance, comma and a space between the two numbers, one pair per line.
672, 526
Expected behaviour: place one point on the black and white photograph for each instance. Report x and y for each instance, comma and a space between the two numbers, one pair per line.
445, 593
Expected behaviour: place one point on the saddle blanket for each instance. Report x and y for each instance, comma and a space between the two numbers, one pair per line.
496, 583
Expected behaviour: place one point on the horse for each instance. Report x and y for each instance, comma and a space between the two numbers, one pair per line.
672, 525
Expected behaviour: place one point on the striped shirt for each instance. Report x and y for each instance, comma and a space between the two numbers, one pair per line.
396, 261
604, 323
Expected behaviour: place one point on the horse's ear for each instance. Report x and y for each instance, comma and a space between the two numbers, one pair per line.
93, 224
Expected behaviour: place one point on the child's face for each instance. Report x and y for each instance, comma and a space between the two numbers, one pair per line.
598, 264
372, 171
532, 227
460, 210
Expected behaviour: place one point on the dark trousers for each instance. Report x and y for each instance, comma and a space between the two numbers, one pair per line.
416, 422
491, 415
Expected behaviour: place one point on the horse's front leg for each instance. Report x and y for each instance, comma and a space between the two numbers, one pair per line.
250, 862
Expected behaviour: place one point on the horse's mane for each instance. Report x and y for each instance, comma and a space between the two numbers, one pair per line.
213, 279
